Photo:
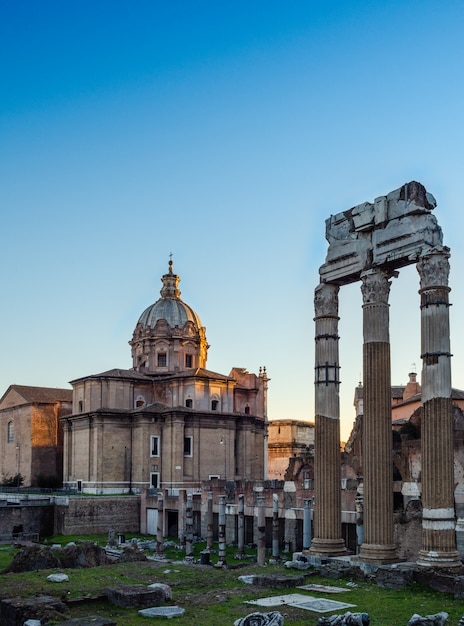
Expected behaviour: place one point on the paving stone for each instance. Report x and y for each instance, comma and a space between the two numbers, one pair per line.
58, 578
162, 611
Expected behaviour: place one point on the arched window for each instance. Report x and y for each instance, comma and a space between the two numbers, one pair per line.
10, 432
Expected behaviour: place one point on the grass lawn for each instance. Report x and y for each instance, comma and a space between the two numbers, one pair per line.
215, 597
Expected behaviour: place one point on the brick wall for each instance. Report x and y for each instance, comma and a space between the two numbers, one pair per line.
86, 514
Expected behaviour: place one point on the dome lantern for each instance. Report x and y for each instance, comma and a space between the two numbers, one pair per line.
169, 336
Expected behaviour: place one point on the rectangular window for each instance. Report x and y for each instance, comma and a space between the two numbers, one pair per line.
155, 480
155, 445
188, 360
162, 359
188, 445
189, 403
10, 432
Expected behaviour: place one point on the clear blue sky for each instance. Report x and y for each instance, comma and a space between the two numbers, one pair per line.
225, 132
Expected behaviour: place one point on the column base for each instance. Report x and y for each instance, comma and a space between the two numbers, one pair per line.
433, 558
327, 547
378, 554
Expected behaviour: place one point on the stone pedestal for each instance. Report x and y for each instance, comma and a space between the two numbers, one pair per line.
438, 521
327, 539
378, 546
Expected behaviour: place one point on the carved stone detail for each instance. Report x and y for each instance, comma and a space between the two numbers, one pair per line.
392, 231
326, 300
375, 286
434, 269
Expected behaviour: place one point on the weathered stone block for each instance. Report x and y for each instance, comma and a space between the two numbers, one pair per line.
92, 620
440, 581
261, 619
439, 619
136, 596
166, 589
277, 582
393, 577
16, 611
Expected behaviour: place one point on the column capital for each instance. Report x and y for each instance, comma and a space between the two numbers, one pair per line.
433, 268
375, 287
326, 300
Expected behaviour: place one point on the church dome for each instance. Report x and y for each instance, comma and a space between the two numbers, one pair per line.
172, 309
169, 335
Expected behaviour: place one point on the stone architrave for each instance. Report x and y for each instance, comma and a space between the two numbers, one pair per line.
378, 546
438, 522
327, 538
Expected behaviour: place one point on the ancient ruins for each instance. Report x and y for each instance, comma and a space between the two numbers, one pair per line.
370, 243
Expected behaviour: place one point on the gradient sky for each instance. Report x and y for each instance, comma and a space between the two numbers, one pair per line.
225, 133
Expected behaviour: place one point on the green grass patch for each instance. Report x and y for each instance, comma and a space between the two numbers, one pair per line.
216, 597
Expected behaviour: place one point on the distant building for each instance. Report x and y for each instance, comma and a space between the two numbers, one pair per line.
406, 442
31, 435
406, 400
168, 423
291, 450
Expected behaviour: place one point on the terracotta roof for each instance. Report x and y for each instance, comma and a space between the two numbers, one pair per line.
397, 391
42, 394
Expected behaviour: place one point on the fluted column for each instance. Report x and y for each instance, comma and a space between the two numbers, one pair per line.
327, 512
377, 454
438, 522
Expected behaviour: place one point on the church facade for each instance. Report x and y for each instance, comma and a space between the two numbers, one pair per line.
168, 423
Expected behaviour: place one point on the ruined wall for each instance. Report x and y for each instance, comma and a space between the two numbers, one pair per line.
28, 519
86, 514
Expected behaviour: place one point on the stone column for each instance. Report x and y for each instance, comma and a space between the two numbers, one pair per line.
160, 526
261, 530
438, 522
241, 527
189, 527
209, 522
327, 539
275, 527
222, 532
306, 523
377, 454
